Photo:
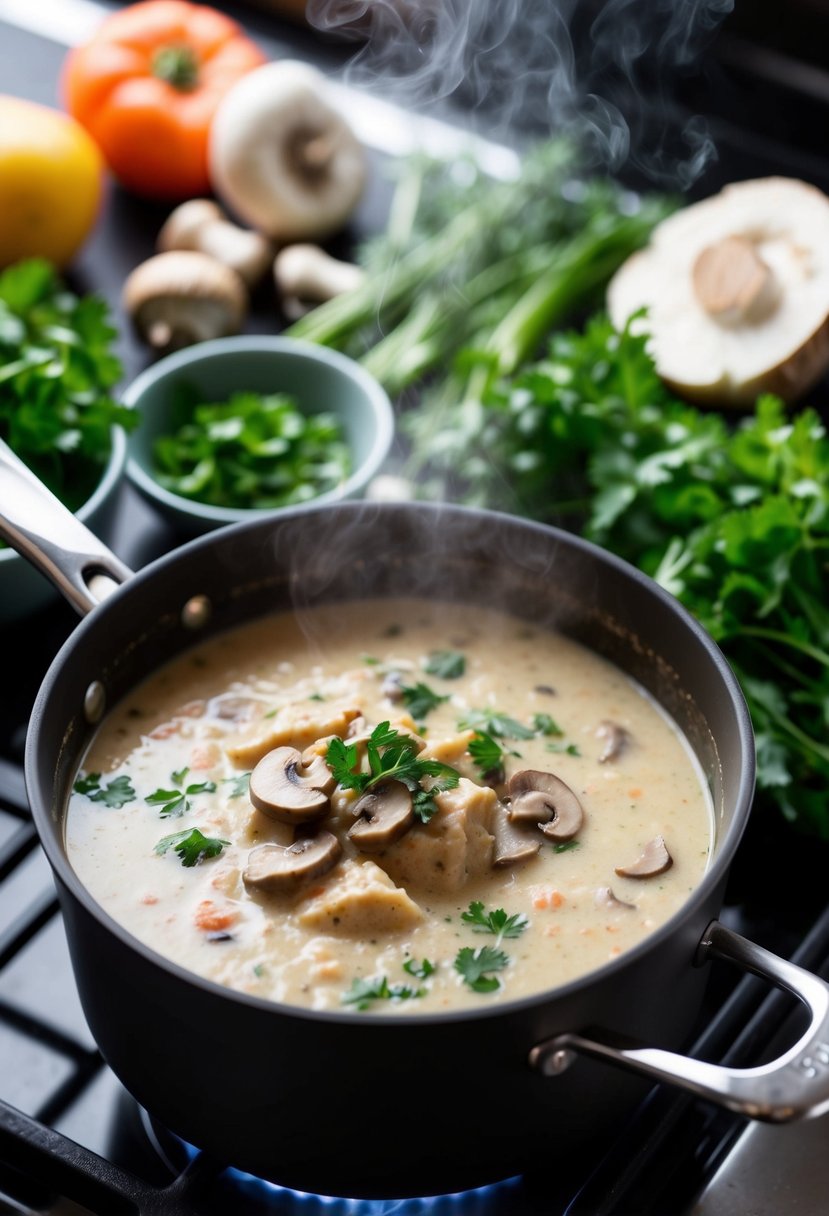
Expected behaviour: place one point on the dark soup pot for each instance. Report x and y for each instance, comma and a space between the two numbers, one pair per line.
349, 1103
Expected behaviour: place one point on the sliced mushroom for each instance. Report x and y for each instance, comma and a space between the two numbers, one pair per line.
284, 788
391, 688
176, 299
615, 739
306, 275
544, 799
513, 844
604, 898
280, 869
384, 815
654, 859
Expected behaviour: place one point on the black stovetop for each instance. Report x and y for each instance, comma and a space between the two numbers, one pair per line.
69, 1133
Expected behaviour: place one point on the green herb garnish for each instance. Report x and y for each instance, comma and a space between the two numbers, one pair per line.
420, 700
362, 993
564, 749
543, 724
392, 757
447, 664
191, 846
498, 922
254, 450
57, 370
175, 803
474, 965
490, 722
238, 785
564, 846
420, 970
115, 793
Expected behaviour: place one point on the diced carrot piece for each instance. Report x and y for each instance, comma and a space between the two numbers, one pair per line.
635, 793
209, 918
556, 899
204, 755
149, 899
541, 901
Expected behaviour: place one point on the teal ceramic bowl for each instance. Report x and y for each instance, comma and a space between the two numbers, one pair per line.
23, 589
320, 380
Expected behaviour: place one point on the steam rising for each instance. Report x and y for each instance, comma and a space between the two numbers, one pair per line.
602, 72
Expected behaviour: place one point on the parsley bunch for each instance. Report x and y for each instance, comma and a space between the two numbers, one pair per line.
56, 372
391, 757
733, 520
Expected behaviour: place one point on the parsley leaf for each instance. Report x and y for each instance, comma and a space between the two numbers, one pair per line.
564, 749
392, 756
115, 793
191, 846
473, 966
239, 785
420, 700
447, 664
362, 993
564, 846
489, 756
177, 802
420, 970
498, 922
490, 722
543, 724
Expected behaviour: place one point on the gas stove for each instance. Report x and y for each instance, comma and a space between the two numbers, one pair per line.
71, 1139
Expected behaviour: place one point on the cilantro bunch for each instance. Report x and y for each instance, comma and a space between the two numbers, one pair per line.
732, 518
56, 372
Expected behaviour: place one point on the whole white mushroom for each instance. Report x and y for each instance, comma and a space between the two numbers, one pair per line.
282, 157
737, 293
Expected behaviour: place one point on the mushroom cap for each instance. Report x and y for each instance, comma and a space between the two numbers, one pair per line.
182, 227
189, 295
604, 898
547, 801
654, 859
513, 843
282, 157
282, 869
756, 318
285, 789
384, 815
615, 739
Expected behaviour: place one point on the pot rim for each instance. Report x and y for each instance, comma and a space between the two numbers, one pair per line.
49, 827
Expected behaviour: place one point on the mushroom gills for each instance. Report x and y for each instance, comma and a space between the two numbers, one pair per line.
547, 801
383, 816
282, 869
654, 859
283, 787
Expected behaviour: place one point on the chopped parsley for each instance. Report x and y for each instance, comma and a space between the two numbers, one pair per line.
362, 993
489, 755
498, 922
176, 802
447, 664
474, 967
115, 793
543, 724
564, 846
564, 749
191, 846
239, 785
420, 700
490, 722
391, 757
420, 970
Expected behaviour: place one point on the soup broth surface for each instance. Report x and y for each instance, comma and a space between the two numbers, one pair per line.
428, 922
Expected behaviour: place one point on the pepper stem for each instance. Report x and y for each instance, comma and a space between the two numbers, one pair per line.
178, 65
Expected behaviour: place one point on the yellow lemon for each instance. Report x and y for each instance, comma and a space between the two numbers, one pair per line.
50, 182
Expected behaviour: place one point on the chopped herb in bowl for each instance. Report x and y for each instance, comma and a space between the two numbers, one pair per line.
253, 450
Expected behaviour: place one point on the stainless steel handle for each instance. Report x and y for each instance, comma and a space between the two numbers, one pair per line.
794, 1086
42, 530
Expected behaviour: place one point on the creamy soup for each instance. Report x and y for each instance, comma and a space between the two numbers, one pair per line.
390, 805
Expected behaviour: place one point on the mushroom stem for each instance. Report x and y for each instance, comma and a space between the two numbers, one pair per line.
733, 283
201, 225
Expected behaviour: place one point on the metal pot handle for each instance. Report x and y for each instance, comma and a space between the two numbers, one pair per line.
794, 1086
48, 535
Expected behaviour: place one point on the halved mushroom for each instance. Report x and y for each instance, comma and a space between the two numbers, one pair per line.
736, 292
654, 859
615, 739
604, 898
284, 788
384, 815
275, 868
544, 799
513, 844
176, 299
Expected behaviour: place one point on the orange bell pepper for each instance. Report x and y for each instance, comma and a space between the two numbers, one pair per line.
146, 88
